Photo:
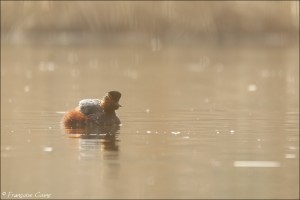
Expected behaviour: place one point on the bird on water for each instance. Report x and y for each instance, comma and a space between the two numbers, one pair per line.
94, 112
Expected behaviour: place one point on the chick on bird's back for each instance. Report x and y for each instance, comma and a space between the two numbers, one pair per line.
94, 112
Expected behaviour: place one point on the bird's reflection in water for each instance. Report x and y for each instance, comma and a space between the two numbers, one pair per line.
97, 142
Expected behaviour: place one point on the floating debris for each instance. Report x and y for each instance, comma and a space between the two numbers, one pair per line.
26, 88
60, 112
252, 88
290, 155
256, 164
175, 132
292, 148
48, 149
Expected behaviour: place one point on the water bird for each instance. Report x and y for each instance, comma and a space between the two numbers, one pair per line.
94, 112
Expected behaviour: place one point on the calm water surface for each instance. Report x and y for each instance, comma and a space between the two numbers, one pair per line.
209, 122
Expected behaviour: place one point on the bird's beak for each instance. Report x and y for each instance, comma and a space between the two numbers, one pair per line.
117, 104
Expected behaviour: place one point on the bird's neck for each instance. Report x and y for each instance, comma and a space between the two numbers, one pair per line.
107, 108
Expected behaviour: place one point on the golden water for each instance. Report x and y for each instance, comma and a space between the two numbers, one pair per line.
197, 122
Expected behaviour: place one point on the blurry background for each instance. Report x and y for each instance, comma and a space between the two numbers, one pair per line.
265, 22
210, 96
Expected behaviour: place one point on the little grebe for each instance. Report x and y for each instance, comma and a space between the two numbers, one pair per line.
94, 112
